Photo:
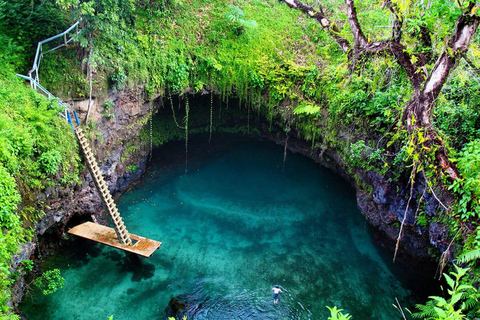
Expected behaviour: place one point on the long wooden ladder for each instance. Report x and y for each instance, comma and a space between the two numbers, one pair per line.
118, 225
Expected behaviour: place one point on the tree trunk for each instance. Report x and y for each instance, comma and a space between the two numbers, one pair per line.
417, 113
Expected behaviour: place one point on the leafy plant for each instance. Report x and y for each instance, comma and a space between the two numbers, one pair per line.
108, 109
236, 17
336, 314
50, 281
460, 297
467, 188
469, 256
50, 161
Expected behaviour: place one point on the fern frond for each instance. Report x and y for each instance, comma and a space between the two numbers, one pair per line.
235, 13
469, 256
427, 311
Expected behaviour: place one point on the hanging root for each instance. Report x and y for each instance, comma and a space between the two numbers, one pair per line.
399, 307
412, 184
444, 258
151, 127
285, 152
90, 83
419, 202
173, 112
186, 135
248, 118
211, 116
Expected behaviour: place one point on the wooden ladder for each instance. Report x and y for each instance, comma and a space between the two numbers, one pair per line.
118, 225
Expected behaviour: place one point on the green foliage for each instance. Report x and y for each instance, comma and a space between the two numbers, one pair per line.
59, 73
460, 298
307, 108
132, 168
458, 111
236, 16
19, 20
469, 256
36, 147
365, 157
50, 281
9, 200
468, 187
336, 314
108, 109
50, 161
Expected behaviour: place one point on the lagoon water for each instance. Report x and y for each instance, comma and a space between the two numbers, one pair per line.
236, 224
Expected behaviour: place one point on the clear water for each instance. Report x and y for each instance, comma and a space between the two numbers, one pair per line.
231, 228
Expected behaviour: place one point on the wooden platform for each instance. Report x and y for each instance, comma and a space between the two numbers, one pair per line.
96, 232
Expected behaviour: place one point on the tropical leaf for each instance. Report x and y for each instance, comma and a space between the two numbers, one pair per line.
469, 256
306, 108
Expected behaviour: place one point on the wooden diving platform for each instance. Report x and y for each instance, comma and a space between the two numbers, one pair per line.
96, 232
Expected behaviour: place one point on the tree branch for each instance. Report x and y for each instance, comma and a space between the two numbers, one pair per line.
397, 23
465, 29
326, 24
360, 40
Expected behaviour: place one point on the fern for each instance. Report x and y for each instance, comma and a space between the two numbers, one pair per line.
469, 256
236, 15
426, 311
336, 314
306, 108
453, 307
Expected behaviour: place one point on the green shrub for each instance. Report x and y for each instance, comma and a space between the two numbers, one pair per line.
50, 161
50, 281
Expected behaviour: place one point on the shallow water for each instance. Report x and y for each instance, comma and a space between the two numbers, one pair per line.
231, 228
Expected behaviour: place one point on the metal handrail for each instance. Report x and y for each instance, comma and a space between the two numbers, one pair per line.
34, 82
39, 54
50, 96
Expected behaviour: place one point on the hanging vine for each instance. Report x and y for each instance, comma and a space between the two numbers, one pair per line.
186, 134
150, 111
211, 116
173, 111
286, 146
248, 118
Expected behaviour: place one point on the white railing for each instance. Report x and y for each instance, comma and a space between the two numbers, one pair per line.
34, 81
50, 96
39, 54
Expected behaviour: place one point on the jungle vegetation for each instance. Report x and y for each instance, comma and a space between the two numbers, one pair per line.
391, 85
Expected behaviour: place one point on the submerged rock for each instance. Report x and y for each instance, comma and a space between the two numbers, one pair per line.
182, 305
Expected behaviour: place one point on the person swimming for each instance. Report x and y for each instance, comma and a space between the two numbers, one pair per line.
276, 290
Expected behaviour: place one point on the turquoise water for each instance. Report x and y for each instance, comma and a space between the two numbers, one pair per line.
231, 228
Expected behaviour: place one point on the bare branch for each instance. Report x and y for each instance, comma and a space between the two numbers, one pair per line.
326, 24
360, 39
465, 29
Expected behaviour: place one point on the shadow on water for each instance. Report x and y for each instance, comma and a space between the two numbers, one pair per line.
131, 263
